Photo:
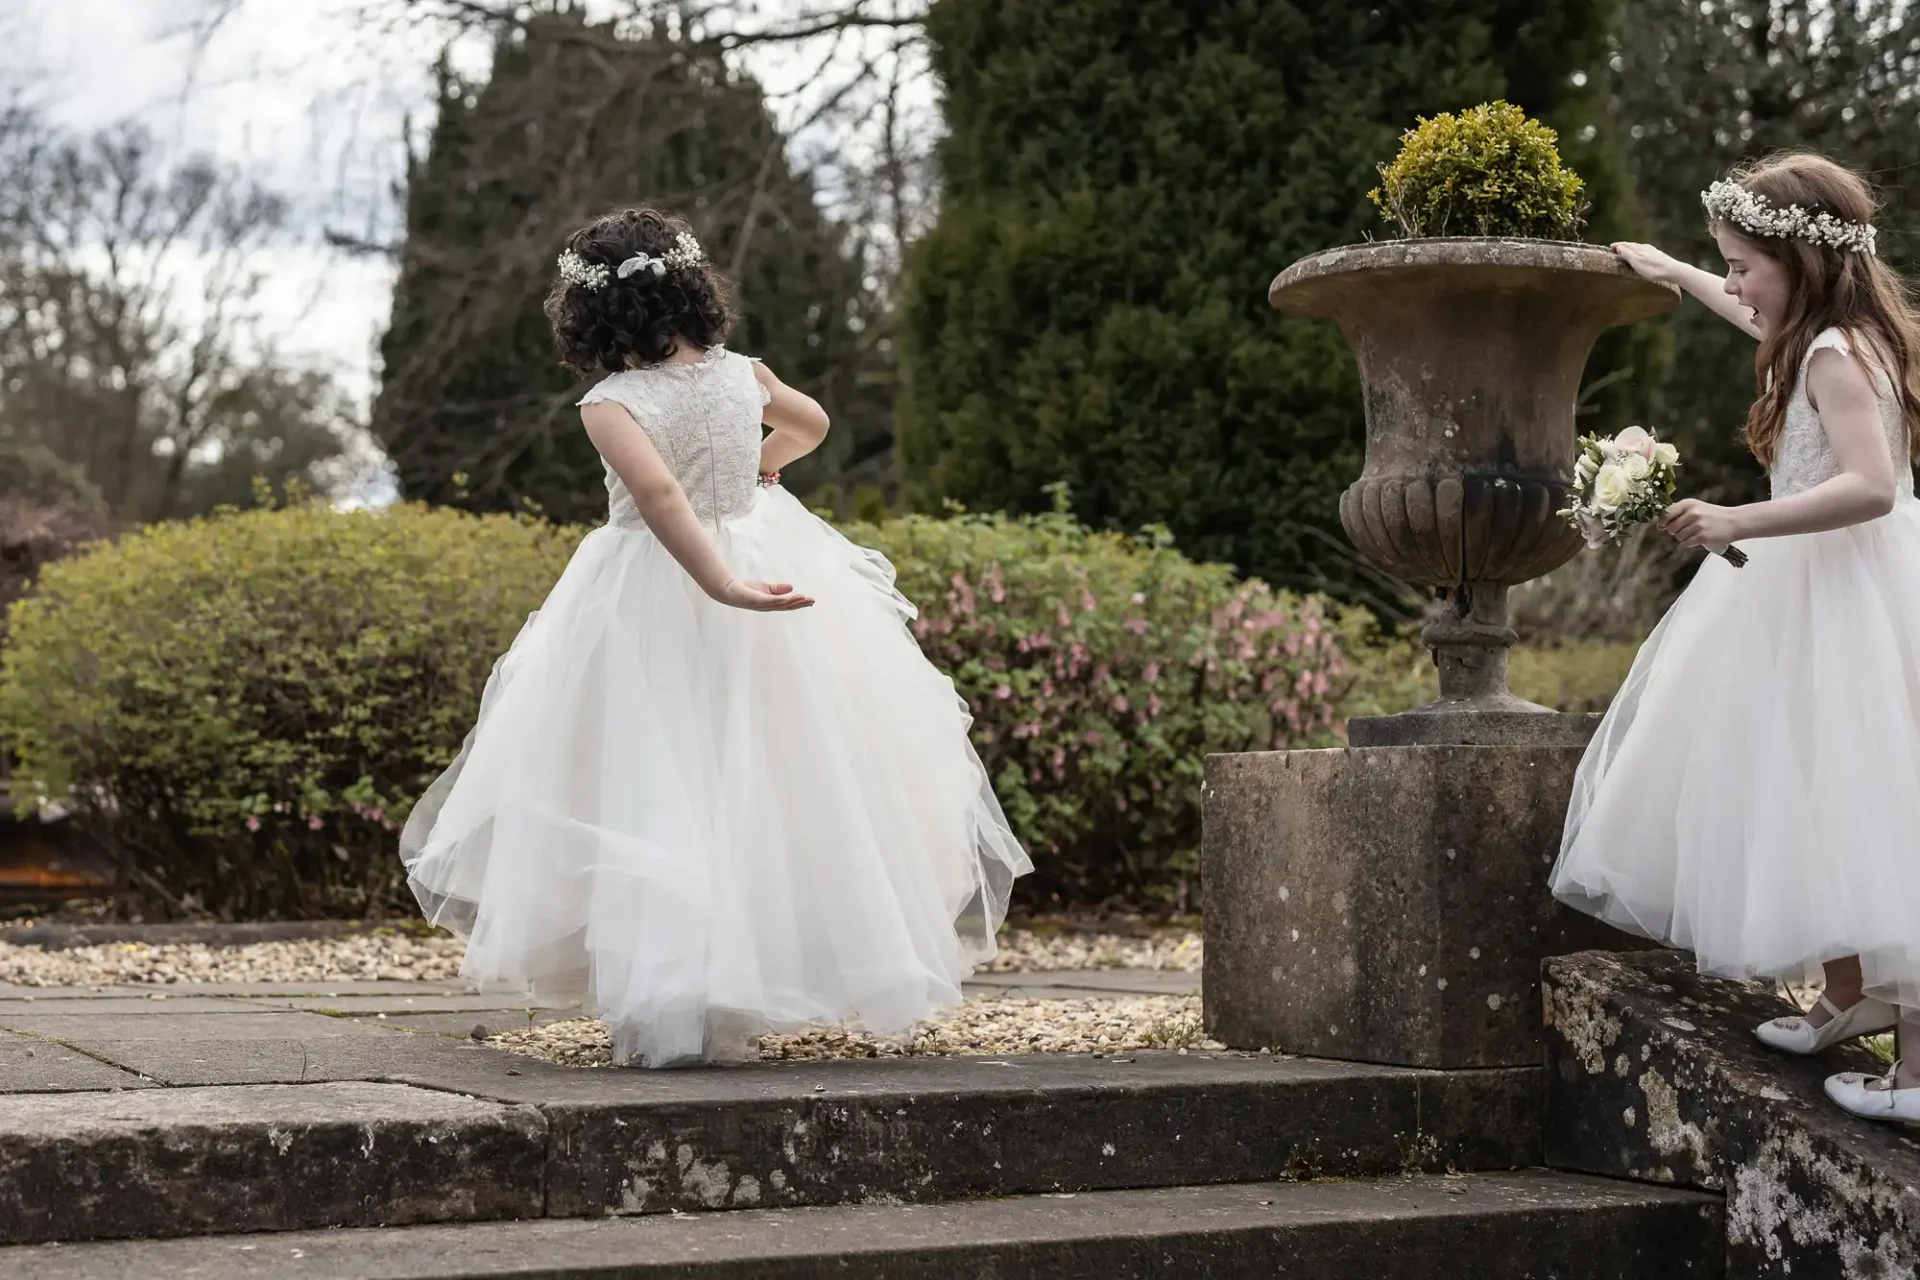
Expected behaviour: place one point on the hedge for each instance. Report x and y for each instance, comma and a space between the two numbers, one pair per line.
1101, 671
243, 707
240, 708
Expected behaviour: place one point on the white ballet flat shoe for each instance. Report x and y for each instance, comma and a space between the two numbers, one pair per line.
1874, 1097
1865, 1017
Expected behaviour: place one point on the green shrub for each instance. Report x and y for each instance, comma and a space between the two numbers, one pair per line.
1101, 671
1489, 171
242, 708
1571, 677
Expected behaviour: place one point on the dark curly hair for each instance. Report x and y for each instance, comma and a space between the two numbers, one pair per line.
631, 322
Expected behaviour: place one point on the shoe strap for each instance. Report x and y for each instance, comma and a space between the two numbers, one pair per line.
1833, 1010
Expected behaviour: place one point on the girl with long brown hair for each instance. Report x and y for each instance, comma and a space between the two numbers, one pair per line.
1753, 794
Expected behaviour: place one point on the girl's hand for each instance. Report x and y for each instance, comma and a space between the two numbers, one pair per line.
761, 597
1693, 523
1650, 263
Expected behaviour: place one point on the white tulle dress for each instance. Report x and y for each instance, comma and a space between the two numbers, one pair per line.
711, 823
1753, 793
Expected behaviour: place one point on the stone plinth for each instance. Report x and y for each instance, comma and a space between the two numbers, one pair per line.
1387, 904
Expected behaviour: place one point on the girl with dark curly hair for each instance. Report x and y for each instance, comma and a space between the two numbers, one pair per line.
709, 803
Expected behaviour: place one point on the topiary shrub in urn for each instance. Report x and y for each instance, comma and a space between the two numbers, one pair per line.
1471, 334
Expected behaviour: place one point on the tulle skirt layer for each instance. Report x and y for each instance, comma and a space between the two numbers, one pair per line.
1753, 794
712, 824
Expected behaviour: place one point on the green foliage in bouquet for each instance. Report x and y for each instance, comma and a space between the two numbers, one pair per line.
1488, 171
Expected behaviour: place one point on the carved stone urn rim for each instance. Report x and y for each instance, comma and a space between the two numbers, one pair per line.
1292, 289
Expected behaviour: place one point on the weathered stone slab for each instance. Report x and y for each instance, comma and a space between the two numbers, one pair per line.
40, 1066
168, 1162
355, 1006
933, 1129
1387, 904
1488, 1227
320, 990
1089, 983
465, 1024
55, 1001
84, 1027
1654, 1074
381, 1055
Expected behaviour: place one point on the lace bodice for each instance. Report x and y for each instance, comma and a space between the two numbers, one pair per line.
1804, 458
704, 418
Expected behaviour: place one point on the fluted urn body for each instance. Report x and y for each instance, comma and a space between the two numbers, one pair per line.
1471, 353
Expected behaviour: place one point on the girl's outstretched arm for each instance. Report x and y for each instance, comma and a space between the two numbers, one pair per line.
1864, 490
663, 505
799, 423
1663, 268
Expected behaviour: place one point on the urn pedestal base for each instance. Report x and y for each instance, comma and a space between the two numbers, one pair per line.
1388, 904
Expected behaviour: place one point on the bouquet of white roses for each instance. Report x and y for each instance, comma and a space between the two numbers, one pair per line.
1623, 481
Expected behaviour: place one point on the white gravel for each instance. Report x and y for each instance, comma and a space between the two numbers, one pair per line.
397, 956
394, 957
1035, 949
985, 1025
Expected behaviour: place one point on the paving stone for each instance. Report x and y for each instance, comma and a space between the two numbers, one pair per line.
318, 990
1654, 1074
160, 1004
28, 1065
462, 1024
380, 1055
1488, 1227
168, 1162
1087, 983
412, 1002
144, 1023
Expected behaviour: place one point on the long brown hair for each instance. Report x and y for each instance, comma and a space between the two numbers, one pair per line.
1828, 288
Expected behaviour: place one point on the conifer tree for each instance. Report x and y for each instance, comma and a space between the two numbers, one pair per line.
1121, 182
573, 121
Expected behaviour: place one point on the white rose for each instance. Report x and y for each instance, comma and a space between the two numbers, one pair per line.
1611, 487
1636, 467
1666, 455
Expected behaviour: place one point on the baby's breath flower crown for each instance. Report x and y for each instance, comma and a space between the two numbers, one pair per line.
1756, 215
593, 276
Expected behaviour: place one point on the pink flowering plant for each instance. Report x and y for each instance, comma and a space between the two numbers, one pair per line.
1101, 671
242, 708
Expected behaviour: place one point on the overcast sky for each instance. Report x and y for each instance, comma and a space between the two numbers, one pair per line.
302, 93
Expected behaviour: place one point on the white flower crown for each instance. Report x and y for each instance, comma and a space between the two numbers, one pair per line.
1756, 215
593, 276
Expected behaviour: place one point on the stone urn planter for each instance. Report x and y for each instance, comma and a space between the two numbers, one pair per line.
1470, 353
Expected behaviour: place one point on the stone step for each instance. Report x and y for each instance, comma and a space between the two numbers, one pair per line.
1654, 1073
466, 1134
1520, 1226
